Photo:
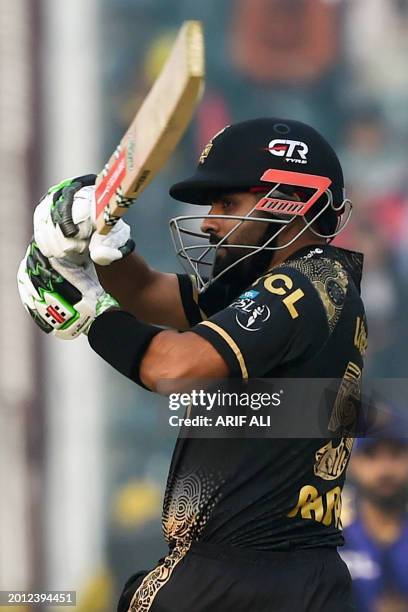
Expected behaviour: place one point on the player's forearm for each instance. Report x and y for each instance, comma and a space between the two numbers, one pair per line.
162, 361
173, 360
151, 296
127, 280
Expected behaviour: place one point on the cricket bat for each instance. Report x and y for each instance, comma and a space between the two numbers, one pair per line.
156, 129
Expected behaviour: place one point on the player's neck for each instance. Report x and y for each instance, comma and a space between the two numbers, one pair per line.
382, 525
305, 240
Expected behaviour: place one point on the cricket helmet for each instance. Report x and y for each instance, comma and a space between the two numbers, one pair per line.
289, 162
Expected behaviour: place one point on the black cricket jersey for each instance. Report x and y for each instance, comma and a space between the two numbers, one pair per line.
265, 495
304, 318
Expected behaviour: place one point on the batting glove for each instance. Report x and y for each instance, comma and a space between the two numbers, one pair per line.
62, 298
64, 225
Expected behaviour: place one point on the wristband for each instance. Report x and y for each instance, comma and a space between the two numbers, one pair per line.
121, 340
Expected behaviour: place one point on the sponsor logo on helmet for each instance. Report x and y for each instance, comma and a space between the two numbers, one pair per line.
205, 152
209, 146
292, 150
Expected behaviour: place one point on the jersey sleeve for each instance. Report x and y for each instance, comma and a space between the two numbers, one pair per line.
198, 307
189, 298
279, 319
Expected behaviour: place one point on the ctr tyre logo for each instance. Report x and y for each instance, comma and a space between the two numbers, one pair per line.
292, 150
252, 321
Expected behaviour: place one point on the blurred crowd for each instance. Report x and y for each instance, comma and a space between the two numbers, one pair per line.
340, 65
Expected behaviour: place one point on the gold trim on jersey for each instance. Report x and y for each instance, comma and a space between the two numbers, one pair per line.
156, 579
188, 503
231, 343
195, 296
331, 461
360, 336
330, 281
347, 404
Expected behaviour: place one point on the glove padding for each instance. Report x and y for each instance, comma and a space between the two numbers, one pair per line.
61, 297
104, 250
64, 222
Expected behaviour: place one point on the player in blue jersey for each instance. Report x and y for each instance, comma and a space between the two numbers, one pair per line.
376, 548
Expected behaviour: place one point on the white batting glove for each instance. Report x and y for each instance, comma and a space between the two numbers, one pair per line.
104, 250
64, 223
61, 297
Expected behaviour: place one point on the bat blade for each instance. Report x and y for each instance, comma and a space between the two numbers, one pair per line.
156, 129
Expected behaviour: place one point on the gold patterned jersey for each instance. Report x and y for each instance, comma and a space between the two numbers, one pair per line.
303, 319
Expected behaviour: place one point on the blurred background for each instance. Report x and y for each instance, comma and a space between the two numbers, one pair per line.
82, 462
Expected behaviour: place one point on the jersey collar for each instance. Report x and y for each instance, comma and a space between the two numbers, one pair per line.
352, 261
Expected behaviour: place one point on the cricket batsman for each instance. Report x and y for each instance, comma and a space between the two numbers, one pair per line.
252, 524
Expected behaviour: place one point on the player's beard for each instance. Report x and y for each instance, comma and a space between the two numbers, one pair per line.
394, 502
247, 271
